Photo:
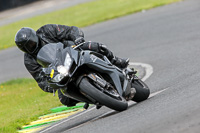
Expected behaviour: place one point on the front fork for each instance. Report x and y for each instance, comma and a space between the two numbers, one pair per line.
129, 91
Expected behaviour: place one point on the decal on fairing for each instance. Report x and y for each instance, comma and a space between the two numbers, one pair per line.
93, 58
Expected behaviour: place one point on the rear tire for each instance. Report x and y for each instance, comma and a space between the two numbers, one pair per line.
88, 89
142, 91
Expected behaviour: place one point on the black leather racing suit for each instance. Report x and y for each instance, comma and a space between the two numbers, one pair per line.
52, 33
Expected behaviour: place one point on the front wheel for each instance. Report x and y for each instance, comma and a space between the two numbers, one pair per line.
142, 90
90, 90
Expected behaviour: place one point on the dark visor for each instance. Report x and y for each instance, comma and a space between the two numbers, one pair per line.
32, 44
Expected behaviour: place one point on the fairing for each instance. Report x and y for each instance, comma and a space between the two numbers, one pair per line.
47, 54
54, 55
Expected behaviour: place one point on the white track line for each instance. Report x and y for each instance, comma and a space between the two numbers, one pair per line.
149, 70
130, 103
151, 95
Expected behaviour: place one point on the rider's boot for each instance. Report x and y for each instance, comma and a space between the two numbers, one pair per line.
119, 62
66, 100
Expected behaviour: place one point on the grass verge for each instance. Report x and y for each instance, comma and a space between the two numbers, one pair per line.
21, 102
80, 15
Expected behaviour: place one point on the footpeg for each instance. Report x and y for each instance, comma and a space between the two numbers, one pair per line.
130, 71
134, 72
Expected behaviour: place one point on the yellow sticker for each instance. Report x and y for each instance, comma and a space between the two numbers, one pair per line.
73, 46
52, 72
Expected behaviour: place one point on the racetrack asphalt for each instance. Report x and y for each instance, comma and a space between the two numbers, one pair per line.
168, 39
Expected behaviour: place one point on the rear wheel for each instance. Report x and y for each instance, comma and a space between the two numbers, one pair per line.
111, 100
142, 90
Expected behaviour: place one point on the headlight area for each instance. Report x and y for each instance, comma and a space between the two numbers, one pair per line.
63, 71
68, 61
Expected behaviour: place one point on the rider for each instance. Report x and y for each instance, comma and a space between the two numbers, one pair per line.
30, 42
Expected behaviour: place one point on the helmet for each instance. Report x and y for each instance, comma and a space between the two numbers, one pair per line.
27, 40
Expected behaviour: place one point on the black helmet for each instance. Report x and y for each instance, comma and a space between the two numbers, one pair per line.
26, 40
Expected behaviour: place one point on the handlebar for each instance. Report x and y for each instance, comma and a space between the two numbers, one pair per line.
79, 45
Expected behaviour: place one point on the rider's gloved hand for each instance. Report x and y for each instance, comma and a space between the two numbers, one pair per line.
79, 40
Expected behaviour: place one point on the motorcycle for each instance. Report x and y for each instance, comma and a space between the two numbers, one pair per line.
90, 77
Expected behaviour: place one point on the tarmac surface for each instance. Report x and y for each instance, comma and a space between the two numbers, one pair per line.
168, 39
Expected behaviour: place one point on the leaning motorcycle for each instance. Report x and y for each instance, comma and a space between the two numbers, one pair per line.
90, 77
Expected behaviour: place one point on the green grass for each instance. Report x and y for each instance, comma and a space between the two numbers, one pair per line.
22, 101
80, 15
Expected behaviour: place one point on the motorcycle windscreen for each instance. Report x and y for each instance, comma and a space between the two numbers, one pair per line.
47, 54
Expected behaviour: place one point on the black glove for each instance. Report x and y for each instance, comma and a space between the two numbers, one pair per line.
79, 40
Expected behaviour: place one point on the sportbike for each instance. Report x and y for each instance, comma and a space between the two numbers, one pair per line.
90, 77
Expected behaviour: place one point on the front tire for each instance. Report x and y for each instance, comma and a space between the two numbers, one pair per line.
88, 89
142, 90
